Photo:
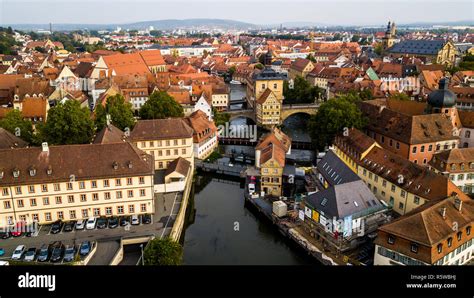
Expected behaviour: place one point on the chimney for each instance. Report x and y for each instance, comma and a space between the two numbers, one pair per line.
443, 212
44, 147
458, 204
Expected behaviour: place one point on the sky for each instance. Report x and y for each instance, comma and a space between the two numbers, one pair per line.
331, 12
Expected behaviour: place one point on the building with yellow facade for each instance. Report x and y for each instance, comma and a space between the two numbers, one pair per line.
433, 51
71, 182
261, 81
164, 139
270, 156
265, 96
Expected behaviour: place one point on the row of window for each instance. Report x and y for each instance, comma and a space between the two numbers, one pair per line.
70, 185
414, 246
85, 213
167, 152
398, 257
415, 148
275, 86
461, 177
160, 143
266, 170
271, 179
454, 253
71, 198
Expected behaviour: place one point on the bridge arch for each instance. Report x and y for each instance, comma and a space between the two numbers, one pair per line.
286, 113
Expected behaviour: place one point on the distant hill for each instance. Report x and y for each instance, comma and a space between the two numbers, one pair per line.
191, 23
211, 23
430, 24
158, 25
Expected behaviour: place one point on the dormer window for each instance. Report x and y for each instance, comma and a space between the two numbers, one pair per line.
440, 248
391, 239
453, 167
49, 171
414, 247
130, 165
1, 174
32, 171
115, 165
16, 173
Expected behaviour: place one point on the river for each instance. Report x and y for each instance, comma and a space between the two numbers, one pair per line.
223, 230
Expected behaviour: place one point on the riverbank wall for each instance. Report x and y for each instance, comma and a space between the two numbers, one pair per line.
178, 225
291, 232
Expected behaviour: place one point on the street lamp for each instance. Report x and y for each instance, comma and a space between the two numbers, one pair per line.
143, 261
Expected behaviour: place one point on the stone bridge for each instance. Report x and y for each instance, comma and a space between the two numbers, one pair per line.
286, 111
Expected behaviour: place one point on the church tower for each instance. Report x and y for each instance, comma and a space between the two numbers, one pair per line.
389, 39
443, 101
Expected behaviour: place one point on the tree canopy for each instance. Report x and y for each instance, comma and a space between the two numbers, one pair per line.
219, 117
68, 123
332, 117
161, 105
311, 58
14, 123
163, 252
121, 114
400, 96
302, 91
7, 41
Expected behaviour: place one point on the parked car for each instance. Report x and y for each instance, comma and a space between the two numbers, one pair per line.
91, 223
69, 226
18, 252
43, 254
113, 222
146, 218
30, 254
2, 252
80, 224
69, 253
124, 220
56, 227
251, 188
85, 249
18, 229
101, 223
57, 254
4, 263
5, 235
135, 220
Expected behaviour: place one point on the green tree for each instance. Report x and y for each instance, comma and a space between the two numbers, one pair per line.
302, 91
14, 123
121, 114
40, 49
161, 105
231, 70
68, 123
332, 117
311, 58
400, 96
337, 36
259, 66
220, 118
378, 49
163, 252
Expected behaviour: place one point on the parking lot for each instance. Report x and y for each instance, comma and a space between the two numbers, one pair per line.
166, 209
